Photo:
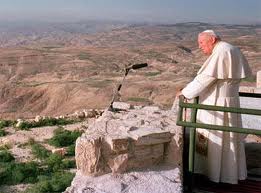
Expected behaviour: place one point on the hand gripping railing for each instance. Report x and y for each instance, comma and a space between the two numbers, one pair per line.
192, 125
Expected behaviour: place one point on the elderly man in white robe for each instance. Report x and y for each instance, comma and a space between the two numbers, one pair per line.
219, 155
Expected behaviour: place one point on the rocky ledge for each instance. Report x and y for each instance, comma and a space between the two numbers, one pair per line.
134, 149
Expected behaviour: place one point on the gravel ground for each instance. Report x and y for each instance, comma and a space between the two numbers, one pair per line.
253, 143
251, 121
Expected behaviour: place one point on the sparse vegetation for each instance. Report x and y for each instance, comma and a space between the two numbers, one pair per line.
14, 173
99, 83
249, 79
138, 99
6, 123
83, 56
45, 181
45, 122
152, 73
63, 137
67, 163
57, 182
51, 47
6, 156
54, 162
71, 150
39, 151
3, 124
2, 132
48, 174
5, 146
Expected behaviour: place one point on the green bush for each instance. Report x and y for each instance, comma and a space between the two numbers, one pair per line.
249, 79
138, 99
6, 156
58, 182
54, 162
2, 132
39, 151
45, 122
71, 150
14, 173
6, 123
64, 138
3, 124
83, 56
152, 73
66, 164
25, 126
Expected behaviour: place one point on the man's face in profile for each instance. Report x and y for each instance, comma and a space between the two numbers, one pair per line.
206, 43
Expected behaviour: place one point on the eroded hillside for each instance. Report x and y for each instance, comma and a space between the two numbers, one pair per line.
60, 70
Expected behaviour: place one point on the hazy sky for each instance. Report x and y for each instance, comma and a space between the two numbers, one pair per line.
169, 11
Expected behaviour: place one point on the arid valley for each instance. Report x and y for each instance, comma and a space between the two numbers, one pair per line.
55, 69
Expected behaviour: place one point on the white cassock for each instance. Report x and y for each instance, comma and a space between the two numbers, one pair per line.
220, 155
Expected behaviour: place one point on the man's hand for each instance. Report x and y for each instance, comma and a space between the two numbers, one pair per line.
179, 93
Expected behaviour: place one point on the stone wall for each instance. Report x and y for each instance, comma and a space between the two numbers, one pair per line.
133, 138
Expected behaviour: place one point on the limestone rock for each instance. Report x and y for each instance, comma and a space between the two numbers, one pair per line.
155, 180
60, 151
19, 122
38, 118
150, 136
121, 105
119, 163
7, 142
90, 114
126, 140
88, 155
118, 143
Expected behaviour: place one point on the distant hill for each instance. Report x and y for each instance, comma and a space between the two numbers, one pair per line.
54, 69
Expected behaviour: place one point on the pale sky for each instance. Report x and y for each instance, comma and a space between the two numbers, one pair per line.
164, 11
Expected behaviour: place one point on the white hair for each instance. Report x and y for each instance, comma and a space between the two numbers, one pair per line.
211, 33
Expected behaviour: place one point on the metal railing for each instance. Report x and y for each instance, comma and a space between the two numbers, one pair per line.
192, 125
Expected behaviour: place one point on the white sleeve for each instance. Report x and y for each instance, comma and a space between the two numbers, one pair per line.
200, 82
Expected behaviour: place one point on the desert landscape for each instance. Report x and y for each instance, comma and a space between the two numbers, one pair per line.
60, 68
56, 79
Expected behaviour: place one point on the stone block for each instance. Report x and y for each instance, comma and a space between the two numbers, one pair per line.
121, 105
118, 164
126, 140
135, 163
150, 136
173, 151
60, 151
118, 143
145, 156
148, 151
88, 155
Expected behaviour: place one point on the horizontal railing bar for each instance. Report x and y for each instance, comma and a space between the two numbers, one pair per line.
221, 108
219, 127
246, 94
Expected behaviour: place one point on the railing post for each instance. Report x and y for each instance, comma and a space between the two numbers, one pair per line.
184, 154
192, 135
